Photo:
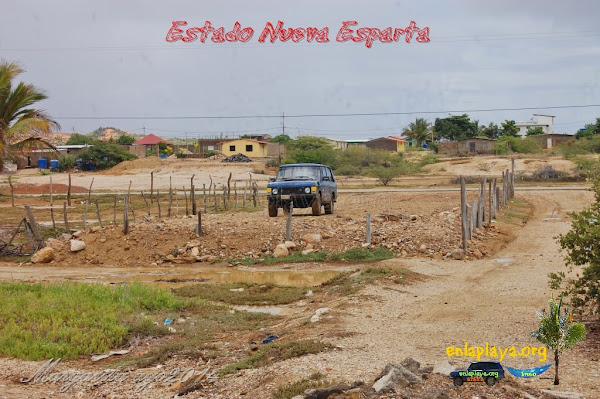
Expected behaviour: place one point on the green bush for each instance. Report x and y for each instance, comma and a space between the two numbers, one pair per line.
66, 163
585, 145
526, 145
348, 170
210, 153
105, 155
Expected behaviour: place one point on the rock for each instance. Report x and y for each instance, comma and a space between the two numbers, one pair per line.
78, 234
562, 395
308, 246
366, 245
444, 367
103, 239
77, 245
309, 293
477, 254
411, 364
307, 251
327, 234
237, 158
395, 376
195, 251
65, 236
457, 254
204, 258
414, 217
169, 257
325, 393
44, 255
54, 243
95, 229
423, 248
312, 238
290, 244
280, 251
438, 256
159, 226
317, 316
241, 289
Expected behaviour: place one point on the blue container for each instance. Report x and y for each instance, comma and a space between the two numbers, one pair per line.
42, 163
54, 164
163, 156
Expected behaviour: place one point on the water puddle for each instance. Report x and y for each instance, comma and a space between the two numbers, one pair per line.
274, 310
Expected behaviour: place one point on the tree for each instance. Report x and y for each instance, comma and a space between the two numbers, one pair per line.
558, 331
419, 130
281, 138
582, 244
386, 173
535, 131
81, 139
21, 127
126, 139
455, 127
509, 128
491, 131
590, 130
105, 155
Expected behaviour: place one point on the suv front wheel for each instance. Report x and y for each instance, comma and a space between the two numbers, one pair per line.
491, 381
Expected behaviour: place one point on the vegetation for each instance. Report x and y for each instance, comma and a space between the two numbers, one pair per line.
590, 130
455, 127
21, 127
126, 139
251, 294
558, 331
535, 131
105, 155
275, 352
492, 131
585, 145
297, 388
281, 138
583, 249
509, 128
526, 145
419, 130
44, 321
351, 255
66, 163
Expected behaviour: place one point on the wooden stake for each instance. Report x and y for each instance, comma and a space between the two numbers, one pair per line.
204, 195
368, 228
98, 213
288, 225
51, 196
158, 202
115, 211
69, 191
228, 187
215, 198
67, 230
193, 194
151, 187
464, 215
12, 191
475, 211
199, 226
170, 198
125, 216
235, 194
244, 198
90, 191
490, 209
129, 189
85, 214
187, 209
147, 204
34, 229
53, 221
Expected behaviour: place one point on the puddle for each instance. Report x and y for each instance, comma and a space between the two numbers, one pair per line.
504, 260
176, 279
274, 310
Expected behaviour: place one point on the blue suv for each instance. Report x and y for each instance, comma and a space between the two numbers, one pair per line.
488, 372
302, 185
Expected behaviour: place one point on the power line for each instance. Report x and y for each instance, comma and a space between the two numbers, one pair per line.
323, 115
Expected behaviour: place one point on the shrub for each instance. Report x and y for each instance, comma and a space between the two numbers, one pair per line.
105, 155
273, 163
180, 154
386, 174
66, 163
526, 145
210, 153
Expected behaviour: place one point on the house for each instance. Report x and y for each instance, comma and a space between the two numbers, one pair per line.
552, 140
389, 143
151, 140
250, 148
206, 145
474, 146
257, 137
543, 121
361, 143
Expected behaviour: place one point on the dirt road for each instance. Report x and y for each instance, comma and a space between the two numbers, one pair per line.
491, 300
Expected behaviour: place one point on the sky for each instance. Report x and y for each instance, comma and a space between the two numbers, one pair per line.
108, 63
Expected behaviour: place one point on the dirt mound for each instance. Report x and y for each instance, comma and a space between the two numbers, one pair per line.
129, 166
43, 189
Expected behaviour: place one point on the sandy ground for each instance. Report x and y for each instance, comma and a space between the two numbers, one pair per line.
475, 301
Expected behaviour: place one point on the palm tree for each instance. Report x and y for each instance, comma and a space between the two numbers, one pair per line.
558, 332
419, 130
21, 127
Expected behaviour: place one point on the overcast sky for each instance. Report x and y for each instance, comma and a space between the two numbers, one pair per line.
109, 59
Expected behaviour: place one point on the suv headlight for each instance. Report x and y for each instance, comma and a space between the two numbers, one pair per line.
274, 191
307, 190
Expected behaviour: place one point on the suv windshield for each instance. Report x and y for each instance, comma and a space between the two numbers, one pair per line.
298, 173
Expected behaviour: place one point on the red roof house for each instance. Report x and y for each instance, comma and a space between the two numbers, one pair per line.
151, 139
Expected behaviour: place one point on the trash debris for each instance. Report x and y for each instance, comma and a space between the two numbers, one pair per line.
168, 321
269, 339
109, 354
171, 329
237, 158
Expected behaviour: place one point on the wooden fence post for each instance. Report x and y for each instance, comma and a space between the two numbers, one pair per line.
90, 190
368, 228
34, 229
288, 224
490, 209
146, 202
69, 191
474, 210
244, 198
67, 230
125, 215
464, 214
204, 195
51, 194
215, 198
115, 211
12, 191
235, 197
193, 195
98, 213
199, 227
53, 221
467, 223
158, 202
151, 187
187, 209
170, 198
85, 214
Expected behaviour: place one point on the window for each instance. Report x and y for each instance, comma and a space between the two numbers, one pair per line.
210, 148
248, 147
231, 148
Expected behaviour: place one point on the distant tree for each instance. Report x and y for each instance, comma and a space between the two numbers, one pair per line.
105, 155
281, 138
20, 126
390, 170
419, 130
535, 131
455, 127
81, 139
558, 331
491, 131
509, 128
126, 139
590, 130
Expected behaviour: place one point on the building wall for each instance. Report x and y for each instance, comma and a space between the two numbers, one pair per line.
137, 150
552, 140
384, 144
275, 150
468, 146
240, 146
205, 145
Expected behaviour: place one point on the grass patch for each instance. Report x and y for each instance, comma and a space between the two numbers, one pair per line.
351, 255
276, 352
348, 283
517, 212
68, 320
288, 391
252, 294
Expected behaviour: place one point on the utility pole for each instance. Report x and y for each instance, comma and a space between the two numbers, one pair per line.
144, 127
283, 123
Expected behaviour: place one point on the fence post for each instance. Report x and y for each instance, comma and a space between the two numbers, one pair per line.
67, 230
34, 229
53, 221
215, 198
235, 198
115, 211
158, 202
187, 209
368, 228
125, 215
98, 214
204, 195
69, 191
51, 193
146, 202
151, 187
85, 214
475, 211
467, 224
199, 227
193, 195
170, 198
288, 224
464, 215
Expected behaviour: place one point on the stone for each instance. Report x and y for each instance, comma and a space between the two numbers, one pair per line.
438, 256
395, 376
423, 248
54, 243
103, 239
78, 233
280, 251
309, 293
65, 236
77, 245
317, 316
562, 395
457, 254
366, 245
444, 367
95, 229
169, 257
477, 254
241, 289
307, 251
44, 255
312, 238
327, 234
308, 246
411, 364
414, 217
290, 244
195, 251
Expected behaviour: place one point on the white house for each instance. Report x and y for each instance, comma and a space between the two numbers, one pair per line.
543, 121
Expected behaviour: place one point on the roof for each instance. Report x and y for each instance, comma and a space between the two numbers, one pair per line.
393, 138
151, 139
301, 164
477, 138
256, 141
